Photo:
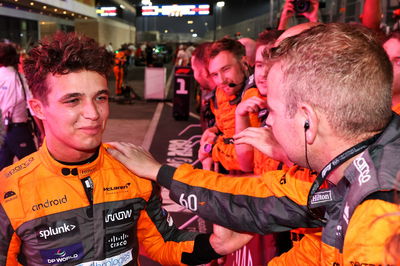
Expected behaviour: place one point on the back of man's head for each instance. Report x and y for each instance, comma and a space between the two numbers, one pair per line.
250, 47
268, 37
201, 52
62, 54
8, 55
342, 71
229, 45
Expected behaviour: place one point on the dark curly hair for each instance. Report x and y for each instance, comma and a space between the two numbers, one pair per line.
8, 55
62, 54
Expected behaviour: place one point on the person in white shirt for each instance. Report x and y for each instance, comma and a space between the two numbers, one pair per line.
18, 139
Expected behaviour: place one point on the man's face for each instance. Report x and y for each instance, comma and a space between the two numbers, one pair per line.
225, 69
392, 48
287, 131
261, 69
76, 112
201, 74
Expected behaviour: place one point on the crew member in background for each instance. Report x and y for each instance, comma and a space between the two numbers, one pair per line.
392, 48
250, 46
229, 71
199, 65
14, 93
120, 61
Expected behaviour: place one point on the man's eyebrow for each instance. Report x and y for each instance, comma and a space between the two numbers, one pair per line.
71, 95
103, 92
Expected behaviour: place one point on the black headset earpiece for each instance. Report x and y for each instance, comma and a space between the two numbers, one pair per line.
306, 125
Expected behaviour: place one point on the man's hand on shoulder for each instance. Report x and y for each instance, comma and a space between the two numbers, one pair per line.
135, 158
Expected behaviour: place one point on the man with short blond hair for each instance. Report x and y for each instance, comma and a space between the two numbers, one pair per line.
329, 99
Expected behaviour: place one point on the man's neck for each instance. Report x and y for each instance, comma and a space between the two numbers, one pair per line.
70, 155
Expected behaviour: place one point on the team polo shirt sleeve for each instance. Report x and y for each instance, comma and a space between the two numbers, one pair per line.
275, 202
164, 242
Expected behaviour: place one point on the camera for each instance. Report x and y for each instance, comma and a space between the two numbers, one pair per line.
301, 6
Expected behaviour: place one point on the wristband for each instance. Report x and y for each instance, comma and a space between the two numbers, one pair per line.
207, 148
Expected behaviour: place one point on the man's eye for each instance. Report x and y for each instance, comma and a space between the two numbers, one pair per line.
396, 61
102, 98
225, 69
74, 100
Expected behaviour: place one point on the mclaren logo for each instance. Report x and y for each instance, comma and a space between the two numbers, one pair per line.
116, 188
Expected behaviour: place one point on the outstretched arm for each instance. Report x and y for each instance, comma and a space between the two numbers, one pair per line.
262, 139
245, 152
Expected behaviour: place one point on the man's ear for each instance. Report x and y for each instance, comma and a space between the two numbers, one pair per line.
37, 107
309, 122
245, 66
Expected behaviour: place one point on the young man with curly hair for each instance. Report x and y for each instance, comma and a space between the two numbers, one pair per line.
71, 202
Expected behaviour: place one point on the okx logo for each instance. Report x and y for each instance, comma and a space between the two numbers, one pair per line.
118, 216
62, 255
57, 230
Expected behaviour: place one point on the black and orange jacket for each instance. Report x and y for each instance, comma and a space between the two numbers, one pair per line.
224, 108
51, 213
358, 208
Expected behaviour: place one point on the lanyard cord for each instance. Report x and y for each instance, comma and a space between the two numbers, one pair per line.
336, 162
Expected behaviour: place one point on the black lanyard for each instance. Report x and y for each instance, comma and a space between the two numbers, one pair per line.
332, 165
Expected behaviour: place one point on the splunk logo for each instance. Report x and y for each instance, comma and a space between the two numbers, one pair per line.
62, 255
118, 216
56, 230
50, 203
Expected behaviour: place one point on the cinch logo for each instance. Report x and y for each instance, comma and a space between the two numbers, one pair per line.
117, 187
321, 196
118, 216
50, 203
62, 255
57, 230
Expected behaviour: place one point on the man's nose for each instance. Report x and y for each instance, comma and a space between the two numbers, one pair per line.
90, 111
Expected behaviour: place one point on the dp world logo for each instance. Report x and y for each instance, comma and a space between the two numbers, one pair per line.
60, 253
63, 254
